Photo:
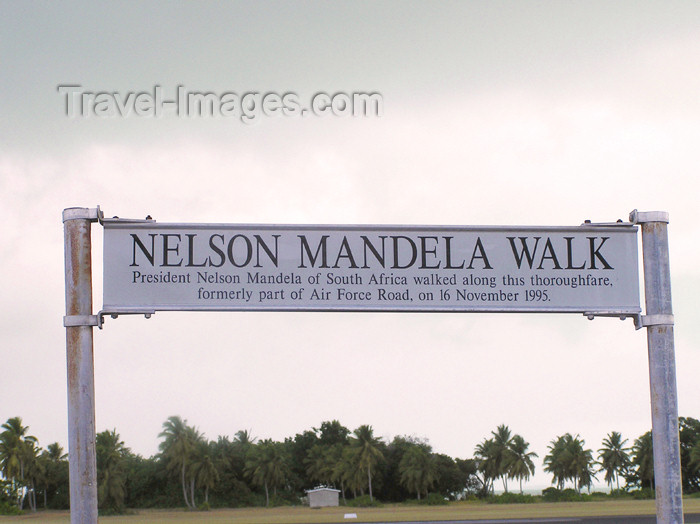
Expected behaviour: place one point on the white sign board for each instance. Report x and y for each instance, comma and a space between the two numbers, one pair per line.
150, 266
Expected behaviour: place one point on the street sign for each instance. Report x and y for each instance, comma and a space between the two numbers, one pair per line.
148, 267
151, 266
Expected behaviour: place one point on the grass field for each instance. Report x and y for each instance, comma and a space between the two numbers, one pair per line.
387, 513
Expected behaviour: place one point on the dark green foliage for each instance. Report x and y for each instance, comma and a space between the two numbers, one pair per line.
503, 456
6, 493
468, 469
418, 469
394, 490
367, 451
513, 498
571, 495
232, 490
149, 485
614, 458
643, 494
111, 473
241, 472
297, 450
331, 433
561, 495
619, 494
433, 499
450, 479
6, 508
267, 466
641, 473
56, 491
364, 501
568, 460
689, 432
599, 495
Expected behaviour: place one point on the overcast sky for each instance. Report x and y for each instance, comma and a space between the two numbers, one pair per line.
503, 113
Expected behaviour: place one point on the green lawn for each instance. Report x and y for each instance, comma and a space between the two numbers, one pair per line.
387, 513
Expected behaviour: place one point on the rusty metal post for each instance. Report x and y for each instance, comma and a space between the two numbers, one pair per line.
79, 322
662, 367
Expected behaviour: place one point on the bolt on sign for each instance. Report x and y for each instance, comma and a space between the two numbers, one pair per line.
151, 266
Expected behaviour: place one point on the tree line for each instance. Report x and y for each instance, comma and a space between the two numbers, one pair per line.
193, 471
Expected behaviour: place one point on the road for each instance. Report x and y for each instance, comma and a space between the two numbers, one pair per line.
632, 519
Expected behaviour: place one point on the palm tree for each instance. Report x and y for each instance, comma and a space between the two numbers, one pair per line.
418, 470
196, 439
177, 448
554, 461
695, 456
204, 469
51, 460
318, 467
614, 458
580, 463
244, 438
266, 466
643, 458
16, 451
346, 469
502, 454
368, 451
111, 476
55, 452
34, 471
42, 474
521, 466
350, 471
334, 458
485, 454
568, 460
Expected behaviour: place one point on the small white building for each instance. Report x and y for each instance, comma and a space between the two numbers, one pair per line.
323, 497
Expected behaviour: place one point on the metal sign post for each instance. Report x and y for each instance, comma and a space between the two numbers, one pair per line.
590, 269
662, 365
79, 321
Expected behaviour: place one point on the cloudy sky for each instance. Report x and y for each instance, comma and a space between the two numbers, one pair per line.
494, 113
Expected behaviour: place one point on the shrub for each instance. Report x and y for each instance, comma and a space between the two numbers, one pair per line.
511, 498
643, 494
364, 502
9, 509
559, 495
111, 512
434, 499
620, 494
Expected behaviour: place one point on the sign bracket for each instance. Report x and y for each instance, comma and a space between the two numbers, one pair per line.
642, 321
646, 217
93, 214
82, 320
101, 315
